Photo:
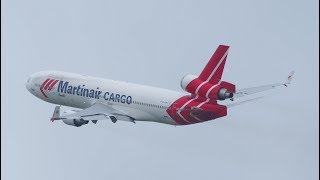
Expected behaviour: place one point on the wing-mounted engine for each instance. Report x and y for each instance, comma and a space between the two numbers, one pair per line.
67, 117
73, 121
94, 113
214, 89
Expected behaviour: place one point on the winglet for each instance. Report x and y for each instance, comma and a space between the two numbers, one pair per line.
56, 113
289, 77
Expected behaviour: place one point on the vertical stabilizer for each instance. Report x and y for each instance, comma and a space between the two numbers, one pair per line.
212, 72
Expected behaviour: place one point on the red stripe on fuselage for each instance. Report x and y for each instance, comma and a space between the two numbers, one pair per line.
42, 85
184, 117
187, 115
52, 84
48, 84
173, 110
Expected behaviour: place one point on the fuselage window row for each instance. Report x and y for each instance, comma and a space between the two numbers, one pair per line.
147, 104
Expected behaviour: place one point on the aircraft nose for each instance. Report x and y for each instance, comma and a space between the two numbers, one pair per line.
28, 83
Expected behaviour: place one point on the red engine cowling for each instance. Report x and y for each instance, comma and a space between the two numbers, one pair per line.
220, 91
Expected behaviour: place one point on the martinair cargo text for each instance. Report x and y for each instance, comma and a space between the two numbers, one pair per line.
104, 99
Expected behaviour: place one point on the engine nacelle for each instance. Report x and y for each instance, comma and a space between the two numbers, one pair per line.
186, 80
224, 94
75, 122
220, 91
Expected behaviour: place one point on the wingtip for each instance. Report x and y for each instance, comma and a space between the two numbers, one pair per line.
289, 78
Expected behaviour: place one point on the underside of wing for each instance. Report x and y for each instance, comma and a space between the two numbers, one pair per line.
230, 105
253, 90
100, 111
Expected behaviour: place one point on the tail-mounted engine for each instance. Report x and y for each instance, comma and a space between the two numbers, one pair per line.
218, 90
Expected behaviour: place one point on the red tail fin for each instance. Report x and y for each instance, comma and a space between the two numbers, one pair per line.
214, 69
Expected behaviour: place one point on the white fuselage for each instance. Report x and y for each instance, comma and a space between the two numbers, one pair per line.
143, 103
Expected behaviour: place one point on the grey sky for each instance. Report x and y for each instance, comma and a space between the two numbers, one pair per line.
157, 43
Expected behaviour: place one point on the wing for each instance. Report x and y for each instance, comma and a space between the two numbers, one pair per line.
100, 111
242, 102
253, 90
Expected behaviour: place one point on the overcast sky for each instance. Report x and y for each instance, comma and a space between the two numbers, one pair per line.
156, 43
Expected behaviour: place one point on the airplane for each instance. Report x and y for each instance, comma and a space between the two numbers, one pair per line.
97, 99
